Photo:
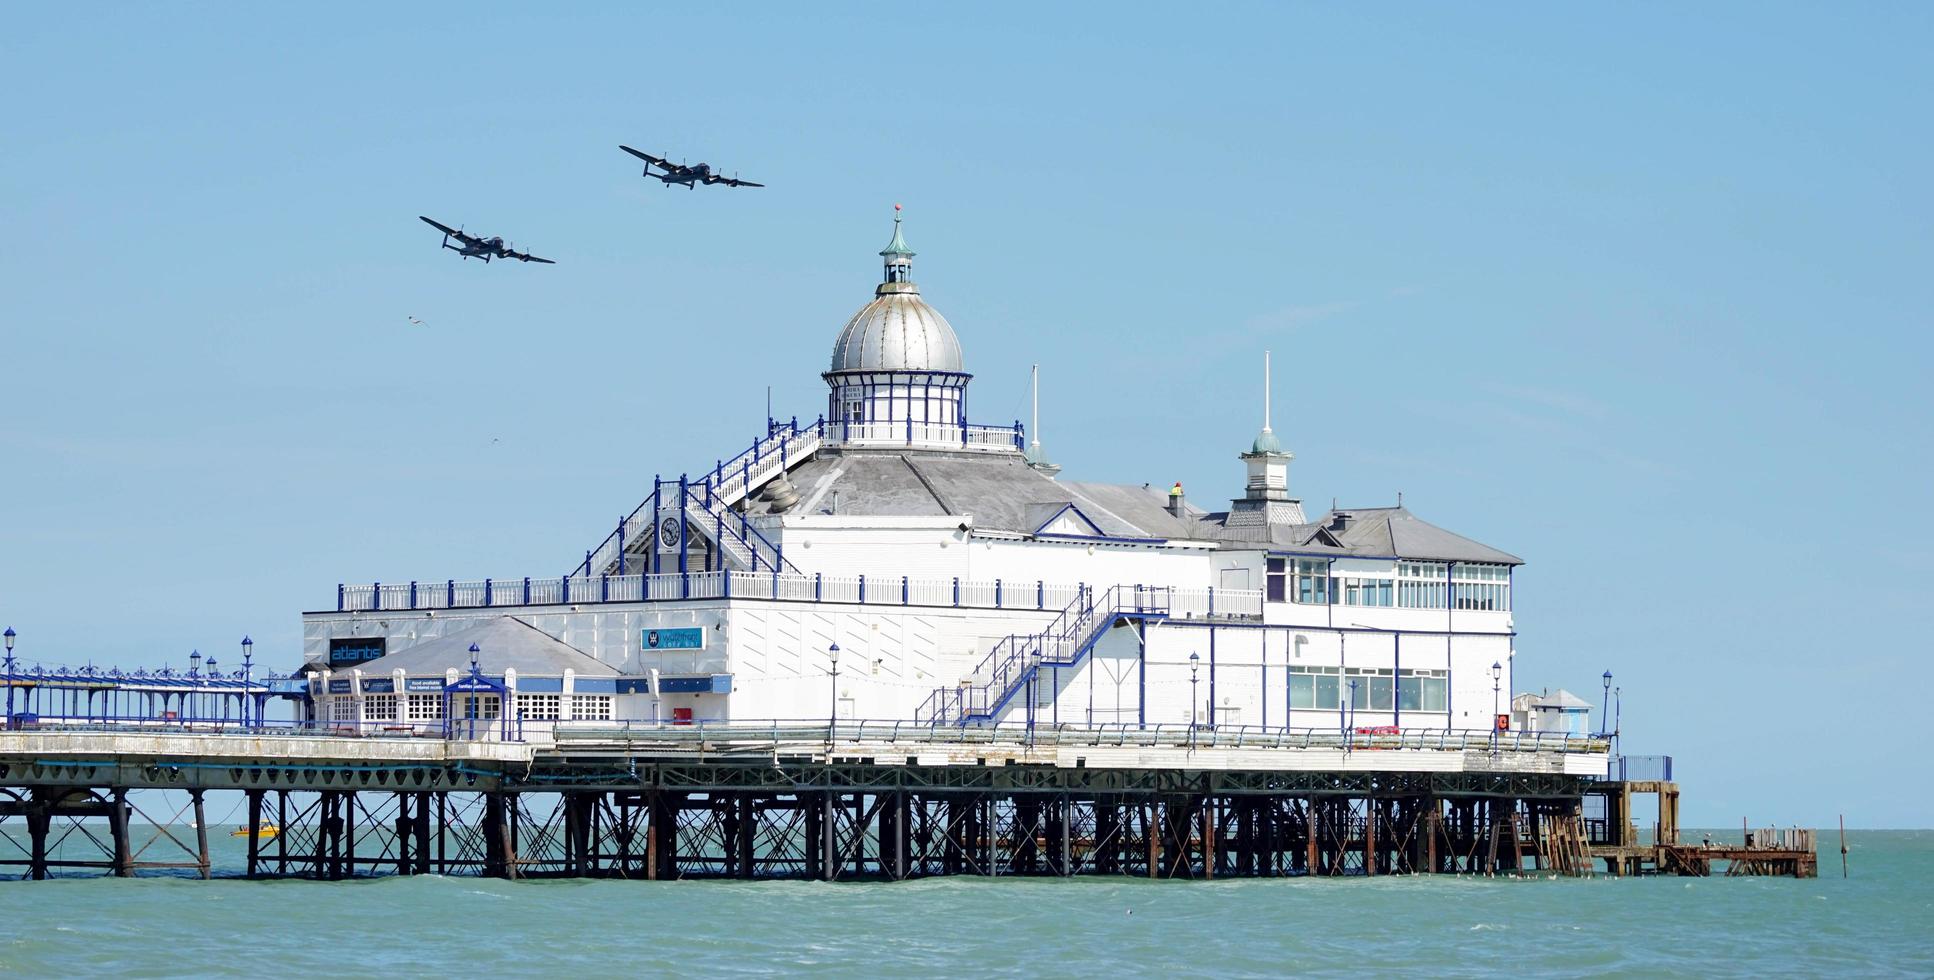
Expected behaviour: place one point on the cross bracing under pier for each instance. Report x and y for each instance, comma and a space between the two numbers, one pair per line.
778, 802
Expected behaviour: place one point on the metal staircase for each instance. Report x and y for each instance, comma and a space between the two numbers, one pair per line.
1015, 661
707, 506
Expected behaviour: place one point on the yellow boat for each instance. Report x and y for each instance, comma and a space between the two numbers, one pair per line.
265, 830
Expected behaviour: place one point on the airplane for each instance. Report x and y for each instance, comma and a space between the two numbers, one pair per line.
678, 173
483, 248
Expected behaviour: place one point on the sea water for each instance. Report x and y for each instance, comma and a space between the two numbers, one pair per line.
1879, 921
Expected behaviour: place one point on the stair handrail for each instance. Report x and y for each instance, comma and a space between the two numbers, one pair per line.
1008, 664
786, 440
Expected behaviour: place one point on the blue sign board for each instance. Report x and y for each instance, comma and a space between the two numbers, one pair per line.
685, 638
422, 683
681, 684
339, 687
708, 684
379, 685
350, 651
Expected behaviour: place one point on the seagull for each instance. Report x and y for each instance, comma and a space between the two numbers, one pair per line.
416, 321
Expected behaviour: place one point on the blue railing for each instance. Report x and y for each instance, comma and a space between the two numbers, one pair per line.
875, 590
785, 442
729, 480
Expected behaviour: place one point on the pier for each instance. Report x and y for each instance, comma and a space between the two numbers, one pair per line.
880, 801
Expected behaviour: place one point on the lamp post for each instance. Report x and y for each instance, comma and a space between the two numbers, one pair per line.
832, 708
1349, 718
1195, 664
194, 681
9, 635
248, 664
1497, 675
1618, 709
474, 706
1605, 706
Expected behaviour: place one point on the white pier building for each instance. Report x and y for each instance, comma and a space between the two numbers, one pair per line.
897, 560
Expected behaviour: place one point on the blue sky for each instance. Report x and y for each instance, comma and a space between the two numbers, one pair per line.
1638, 292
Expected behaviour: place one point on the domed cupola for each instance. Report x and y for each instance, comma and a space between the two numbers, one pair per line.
897, 374
898, 331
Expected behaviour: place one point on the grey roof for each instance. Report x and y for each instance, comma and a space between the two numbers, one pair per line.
1298, 537
898, 331
1396, 532
999, 490
1562, 698
503, 642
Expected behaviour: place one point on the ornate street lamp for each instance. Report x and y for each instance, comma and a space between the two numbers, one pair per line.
1195, 663
248, 664
832, 714
9, 635
1605, 707
1497, 675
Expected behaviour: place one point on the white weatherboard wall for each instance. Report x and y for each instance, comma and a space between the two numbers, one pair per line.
878, 547
1026, 562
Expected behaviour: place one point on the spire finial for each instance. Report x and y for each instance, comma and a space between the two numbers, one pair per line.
1035, 455
1265, 391
1266, 441
898, 246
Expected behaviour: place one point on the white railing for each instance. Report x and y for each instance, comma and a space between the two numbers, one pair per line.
872, 590
1215, 603
954, 435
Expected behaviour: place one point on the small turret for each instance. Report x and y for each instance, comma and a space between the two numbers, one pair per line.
1265, 499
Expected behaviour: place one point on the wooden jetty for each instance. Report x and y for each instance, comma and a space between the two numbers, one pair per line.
1616, 840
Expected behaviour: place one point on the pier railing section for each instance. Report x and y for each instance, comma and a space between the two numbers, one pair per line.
781, 586
1017, 659
459, 729
1640, 768
718, 737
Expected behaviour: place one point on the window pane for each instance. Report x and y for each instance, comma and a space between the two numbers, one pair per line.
1326, 692
1410, 693
1302, 691
1434, 697
1380, 693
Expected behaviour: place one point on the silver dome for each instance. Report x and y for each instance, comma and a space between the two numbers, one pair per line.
898, 331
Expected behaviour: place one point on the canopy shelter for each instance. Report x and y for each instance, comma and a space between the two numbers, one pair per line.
111, 695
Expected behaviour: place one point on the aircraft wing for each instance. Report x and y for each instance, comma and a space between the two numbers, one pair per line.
648, 158
527, 257
731, 181
446, 229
